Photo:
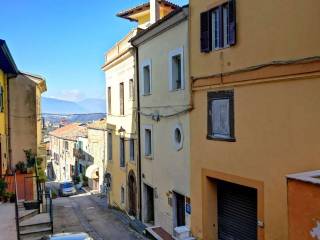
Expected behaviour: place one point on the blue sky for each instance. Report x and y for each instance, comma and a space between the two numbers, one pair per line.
65, 41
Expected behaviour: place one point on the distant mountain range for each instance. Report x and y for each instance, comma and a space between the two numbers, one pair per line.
55, 110
58, 106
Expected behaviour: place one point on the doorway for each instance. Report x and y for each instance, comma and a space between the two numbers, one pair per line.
179, 210
149, 204
132, 193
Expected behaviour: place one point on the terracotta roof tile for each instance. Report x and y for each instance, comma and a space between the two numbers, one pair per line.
71, 131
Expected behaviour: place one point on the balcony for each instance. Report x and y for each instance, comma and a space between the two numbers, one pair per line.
78, 153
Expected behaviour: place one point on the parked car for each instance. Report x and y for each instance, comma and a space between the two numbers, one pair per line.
68, 236
67, 189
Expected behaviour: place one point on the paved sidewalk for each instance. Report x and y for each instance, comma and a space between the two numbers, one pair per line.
8, 227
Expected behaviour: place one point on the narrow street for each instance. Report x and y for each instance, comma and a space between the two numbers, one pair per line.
89, 213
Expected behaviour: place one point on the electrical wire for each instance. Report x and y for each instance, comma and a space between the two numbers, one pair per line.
256, 67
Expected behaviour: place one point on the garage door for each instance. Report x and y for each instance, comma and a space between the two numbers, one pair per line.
237, 212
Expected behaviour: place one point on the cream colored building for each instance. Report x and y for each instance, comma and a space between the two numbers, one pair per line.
165, 104
25, 119
121, 86
63, 145
97, 135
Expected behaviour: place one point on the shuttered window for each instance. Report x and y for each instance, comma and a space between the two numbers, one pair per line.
122, 153
221, 115
132, 149
109, 100
218, 27
109, 146
1, 99
121, 99
131, 89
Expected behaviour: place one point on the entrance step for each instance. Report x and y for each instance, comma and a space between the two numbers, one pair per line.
158, 233
27, 214
39, 221
138, 226
35, 234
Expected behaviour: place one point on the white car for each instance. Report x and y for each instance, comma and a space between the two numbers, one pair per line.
67, 189
68, 236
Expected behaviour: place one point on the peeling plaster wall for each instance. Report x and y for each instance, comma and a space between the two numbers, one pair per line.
303, 210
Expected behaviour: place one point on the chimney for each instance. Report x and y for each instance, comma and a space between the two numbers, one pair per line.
154, 11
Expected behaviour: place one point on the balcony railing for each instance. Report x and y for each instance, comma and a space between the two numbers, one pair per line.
78, 153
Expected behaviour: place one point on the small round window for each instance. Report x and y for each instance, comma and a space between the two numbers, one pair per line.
178, 137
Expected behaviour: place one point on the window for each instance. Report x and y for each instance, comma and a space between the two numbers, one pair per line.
177, 137
132, 149
109, 100
147, 142
122, 195
146, 77
122, 152
1, 99
66, 145
218, 27
121, 99
80, 145
176, 74
109, 146
221, 115
131, 89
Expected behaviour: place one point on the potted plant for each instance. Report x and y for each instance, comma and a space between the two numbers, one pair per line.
3, 187
85, 180
12, 197
30, 157
77, 182
6, 197
21, 167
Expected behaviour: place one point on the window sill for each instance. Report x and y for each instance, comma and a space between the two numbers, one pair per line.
148, 157
146, 94
209, 137
217, 49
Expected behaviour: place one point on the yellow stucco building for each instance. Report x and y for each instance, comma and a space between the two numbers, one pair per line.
255, 71
121, 86
8, 70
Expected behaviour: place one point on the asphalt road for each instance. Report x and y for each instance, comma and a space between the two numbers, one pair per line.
86, 213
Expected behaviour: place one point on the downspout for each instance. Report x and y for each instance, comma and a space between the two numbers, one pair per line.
8, 127
139, 129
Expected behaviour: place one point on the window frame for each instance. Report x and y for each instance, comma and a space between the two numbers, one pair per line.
132, 149
146, 63
227, 29
109, 146
122, 155
109, 100
172, 54
220, 95
147, 127
131, 89
121, 99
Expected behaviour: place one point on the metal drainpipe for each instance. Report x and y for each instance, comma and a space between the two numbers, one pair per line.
139, 129
8, 122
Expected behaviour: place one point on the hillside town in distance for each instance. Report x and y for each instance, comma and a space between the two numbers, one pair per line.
208, 130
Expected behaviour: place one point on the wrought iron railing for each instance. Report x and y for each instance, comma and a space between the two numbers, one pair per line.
17, 208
